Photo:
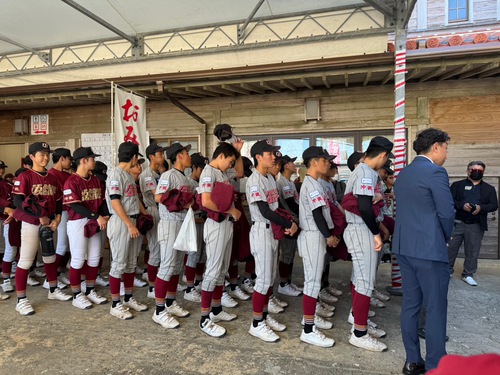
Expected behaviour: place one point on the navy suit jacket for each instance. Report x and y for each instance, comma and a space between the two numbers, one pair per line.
425, 211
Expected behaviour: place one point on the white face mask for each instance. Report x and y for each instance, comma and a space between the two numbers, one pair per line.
336, 178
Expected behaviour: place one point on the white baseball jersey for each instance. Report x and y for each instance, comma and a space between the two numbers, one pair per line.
286, 189
122, 183
148, 181
209, 177
261, 188
231, 174
362, 181
312, 196
172, 179
329, 190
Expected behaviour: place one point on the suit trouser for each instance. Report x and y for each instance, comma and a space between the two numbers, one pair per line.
472, 236
424, 282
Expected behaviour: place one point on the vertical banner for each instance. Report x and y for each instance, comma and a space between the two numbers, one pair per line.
129, 123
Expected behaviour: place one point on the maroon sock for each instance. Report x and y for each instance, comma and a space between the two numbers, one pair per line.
258, 302
128, 280
268, 295
51, 271
161, 288
152, 272
360, 308
84, 268
308, 307
21, 281
6, 269
206, 302
250, 267
114, 288
353, 289
58, 260
75, 277
200, 269
172, 284
91, 275
233, 272
217, 294
190, 275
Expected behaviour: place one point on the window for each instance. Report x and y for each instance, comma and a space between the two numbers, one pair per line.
458, 10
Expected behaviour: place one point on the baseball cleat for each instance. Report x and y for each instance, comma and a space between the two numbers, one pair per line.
121, 312
24, 307
165, 320
367, 342
317, 338
263, 332
133, 304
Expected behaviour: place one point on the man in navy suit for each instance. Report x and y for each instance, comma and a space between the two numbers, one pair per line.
424, 223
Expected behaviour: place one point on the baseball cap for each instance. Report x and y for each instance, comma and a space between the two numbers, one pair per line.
382, 142
100, 170
354, 159
2, 164
287, 159
387, 167
39, 146
141, 161
84, 152
316, 152
198, 160
175, 148
127, 150
63, 152
154, 148
262, 146
223, 132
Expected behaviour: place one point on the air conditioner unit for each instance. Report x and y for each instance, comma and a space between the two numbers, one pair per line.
20, 126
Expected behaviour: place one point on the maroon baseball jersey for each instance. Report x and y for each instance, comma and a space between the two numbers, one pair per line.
5, 193
46, 186
61, 177
86, 191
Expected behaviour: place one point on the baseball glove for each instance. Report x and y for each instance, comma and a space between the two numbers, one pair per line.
47, 241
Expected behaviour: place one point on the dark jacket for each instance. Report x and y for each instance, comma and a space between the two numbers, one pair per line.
488, 200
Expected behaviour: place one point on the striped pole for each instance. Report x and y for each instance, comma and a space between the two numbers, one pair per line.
399, 129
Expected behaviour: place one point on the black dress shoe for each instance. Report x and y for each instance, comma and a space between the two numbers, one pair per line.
414, 368
421, 334
394, 291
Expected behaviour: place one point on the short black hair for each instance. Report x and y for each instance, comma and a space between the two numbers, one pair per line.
426, 138
307, 162
173, 157
225, 149
473, 163
373, 152
56, 158
28, 161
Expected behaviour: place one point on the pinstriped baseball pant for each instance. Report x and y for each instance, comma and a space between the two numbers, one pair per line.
264, 249
218, 239
200, 255
312, 249
359, 241
152, 237
171, 259
123, 256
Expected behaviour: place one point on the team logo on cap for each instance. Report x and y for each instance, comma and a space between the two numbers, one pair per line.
45, 145
278, 154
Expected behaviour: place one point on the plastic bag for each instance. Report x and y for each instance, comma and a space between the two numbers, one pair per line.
186, 238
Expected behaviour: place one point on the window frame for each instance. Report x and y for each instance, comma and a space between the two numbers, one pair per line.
470, 13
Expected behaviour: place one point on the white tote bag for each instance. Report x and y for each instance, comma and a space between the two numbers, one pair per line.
186, 238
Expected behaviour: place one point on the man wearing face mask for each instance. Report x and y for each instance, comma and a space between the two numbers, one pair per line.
338, 185
473, 199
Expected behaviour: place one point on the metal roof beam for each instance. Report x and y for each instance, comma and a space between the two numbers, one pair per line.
45, 57
241, 30
101, 22
382, 7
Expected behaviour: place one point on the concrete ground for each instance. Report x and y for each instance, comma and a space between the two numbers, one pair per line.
59, 339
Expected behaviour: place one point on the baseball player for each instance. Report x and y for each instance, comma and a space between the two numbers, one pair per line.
262, 196
363, 241
124, 206
218, 239
84, 195
62, 160
289, 199
6, 208
195, 261
148, 181
169, 225
316, 225
37, 184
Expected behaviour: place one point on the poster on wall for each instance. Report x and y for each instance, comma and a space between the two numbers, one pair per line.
39, 124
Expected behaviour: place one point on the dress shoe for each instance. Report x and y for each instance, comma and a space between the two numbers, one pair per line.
421, 334
394, 291
414, 368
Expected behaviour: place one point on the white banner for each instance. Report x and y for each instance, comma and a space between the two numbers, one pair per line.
130, 119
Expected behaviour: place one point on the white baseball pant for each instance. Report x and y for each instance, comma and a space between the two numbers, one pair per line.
264, 249
218, 240
61, 235
359, 241
312, 249
81, 247
123, 258
30, 242
152, 237
200, 255
170, 258
10, 251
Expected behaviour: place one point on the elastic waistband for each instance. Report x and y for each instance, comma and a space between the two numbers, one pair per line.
261, 222
136, 216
